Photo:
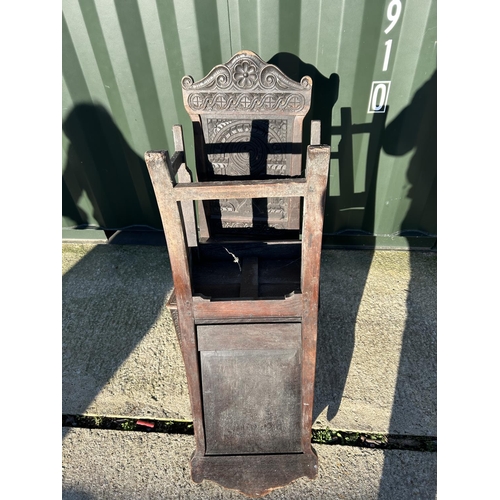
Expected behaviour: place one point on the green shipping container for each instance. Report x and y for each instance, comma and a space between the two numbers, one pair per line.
373, 64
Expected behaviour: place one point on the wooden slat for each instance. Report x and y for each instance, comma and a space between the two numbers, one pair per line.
159, 167
317, 164
291, 307
246, 320
188, 213
201, 173
178, 137
176, 161
252, 336
219, 190
184, 176
315, 132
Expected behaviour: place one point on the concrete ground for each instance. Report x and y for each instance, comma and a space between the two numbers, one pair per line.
376, 373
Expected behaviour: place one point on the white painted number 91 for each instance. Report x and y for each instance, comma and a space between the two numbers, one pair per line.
393, 13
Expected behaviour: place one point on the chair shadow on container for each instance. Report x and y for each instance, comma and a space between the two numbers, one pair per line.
102, 167
344, 287
110, 299
414, 406
339, 304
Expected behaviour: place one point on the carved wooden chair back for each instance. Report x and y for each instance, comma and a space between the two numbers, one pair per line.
247, 121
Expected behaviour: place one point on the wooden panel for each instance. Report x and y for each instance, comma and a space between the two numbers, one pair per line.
246, 86
251, 387
247, 146
251, 401
247, 118
250, 147
245, 320
250, 336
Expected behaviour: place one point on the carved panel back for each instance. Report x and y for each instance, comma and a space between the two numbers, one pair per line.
247, 118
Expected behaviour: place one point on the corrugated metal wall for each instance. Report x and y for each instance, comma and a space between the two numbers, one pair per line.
122, 66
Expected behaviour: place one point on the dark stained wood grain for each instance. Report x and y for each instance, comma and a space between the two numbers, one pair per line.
252, 401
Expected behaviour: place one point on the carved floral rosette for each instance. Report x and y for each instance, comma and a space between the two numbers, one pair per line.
246, 84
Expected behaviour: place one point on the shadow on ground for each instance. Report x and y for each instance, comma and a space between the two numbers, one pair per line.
112, 297
415, 128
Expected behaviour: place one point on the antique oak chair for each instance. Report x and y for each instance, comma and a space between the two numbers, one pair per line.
244, 243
